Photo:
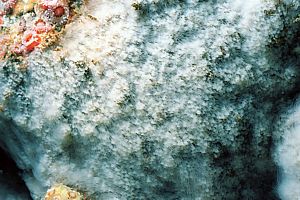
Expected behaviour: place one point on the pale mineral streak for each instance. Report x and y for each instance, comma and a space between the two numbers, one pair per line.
287, 153
155, 99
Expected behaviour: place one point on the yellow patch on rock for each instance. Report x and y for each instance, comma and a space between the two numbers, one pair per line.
24, 6
62, 192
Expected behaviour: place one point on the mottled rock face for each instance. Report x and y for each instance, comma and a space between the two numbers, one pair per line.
155, 100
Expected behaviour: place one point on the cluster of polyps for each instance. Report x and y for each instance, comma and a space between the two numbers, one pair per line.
53, 11
28, 25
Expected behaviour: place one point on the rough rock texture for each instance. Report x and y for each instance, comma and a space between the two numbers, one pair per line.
155, 99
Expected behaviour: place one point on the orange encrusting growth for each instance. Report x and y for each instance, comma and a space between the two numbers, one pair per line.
62, 192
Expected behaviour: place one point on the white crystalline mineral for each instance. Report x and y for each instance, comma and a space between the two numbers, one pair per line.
155, 99
287, 155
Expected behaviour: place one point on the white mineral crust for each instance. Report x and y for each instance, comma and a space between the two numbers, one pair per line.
154, 99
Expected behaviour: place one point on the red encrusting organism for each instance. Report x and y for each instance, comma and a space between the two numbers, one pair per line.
40, 26
28, 32
53, 11
59, 11
31, 40
1, 21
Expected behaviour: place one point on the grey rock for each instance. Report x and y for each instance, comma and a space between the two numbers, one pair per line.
155, 99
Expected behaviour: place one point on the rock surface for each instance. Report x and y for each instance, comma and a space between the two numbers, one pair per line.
155, 99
